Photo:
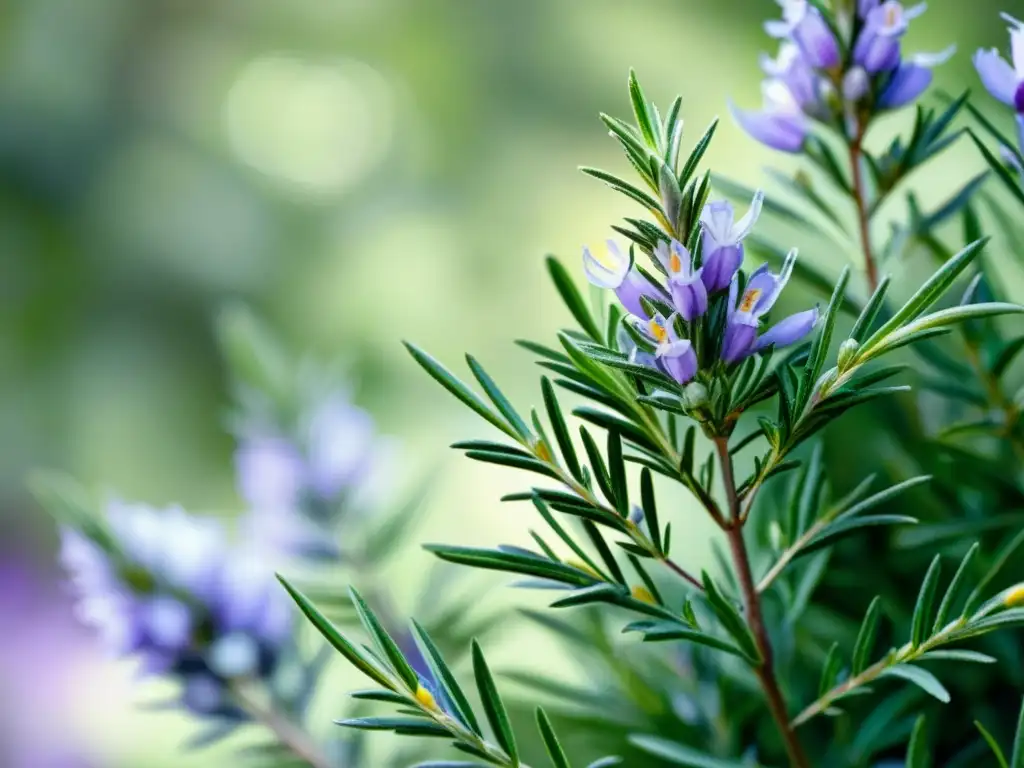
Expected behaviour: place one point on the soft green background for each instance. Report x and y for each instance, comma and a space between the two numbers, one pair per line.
360, 171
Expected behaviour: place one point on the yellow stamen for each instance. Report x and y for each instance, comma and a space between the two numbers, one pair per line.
1015, 597
750, 299
581, 566
674, 263
426, 698
890, 15
643, 594
604, 258
658, 331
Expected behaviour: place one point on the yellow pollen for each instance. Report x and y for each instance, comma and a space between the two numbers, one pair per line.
1015, 597
890, 15
643, 594
674, 263
749, 300
604, 258
658, 331
425, 697
581, 566
542, 451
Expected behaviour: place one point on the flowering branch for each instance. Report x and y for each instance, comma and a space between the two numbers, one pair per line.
863, 208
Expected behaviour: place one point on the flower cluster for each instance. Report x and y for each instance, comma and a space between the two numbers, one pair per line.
838, 69
165, 586
1005, 81
695, 283
299, 481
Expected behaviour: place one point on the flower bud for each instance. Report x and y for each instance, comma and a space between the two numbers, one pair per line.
1014, 597
695, 396
856, 85
425, 698
847, 353
643, 594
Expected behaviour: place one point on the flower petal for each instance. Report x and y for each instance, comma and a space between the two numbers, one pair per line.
996, 75
781, 132
789, 330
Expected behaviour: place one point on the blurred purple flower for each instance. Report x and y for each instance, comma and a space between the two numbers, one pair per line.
911, 79
781, 124
804, 25
618, 273
1000, 78
41, 652
878, 46
172, 592
762, 291
722, 252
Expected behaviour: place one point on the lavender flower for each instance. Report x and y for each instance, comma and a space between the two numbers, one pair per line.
781, 124
619, 274
172, 593
911, 79
722, 252
673, 355
807, 28
1000, 78
878, 45
743, 320
689, 296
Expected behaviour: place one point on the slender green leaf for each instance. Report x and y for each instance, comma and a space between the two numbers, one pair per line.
493, 706
920, 677
946, 606
866, 637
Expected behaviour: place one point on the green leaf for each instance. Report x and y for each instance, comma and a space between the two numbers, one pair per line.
511, 460
697, 155
325, 627
383, 640
560, 429
627, 189
498, 398
493, 705
940, 319
867, 316
665, 631
446, 379
449, 683
405, 726
572, 298
946, 606
1006, 356
730, 618
496, 560
925, 600
917, 750
927, 294
1017, 757
997, 565
866, 637
680, 754
920, 677
641, 111
957, 654
993, 745
1008, 179
554, 748
838, 530
650, 507
830, 670
822, 342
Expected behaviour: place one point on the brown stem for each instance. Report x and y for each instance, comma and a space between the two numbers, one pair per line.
672, 564
287, 732
752, 602
863, 212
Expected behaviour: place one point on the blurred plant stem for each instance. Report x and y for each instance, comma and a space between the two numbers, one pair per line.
752, 601
290, 735
861, 203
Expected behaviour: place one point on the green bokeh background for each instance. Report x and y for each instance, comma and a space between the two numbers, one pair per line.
358, 171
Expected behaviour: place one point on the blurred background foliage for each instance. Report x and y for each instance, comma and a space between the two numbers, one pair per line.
359, 171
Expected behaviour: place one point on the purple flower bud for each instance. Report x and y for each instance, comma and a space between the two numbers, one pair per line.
636, 515
689, 296
722, 252
878, 46
740, 335
1000, 78
781, 125
788, 331
341, 441
804, 84
167, 623
806, 27
856, 85
270, 472
911, 79
618, 274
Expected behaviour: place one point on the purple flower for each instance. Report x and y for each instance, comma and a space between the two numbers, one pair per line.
689, 296
270, 472
632, 350
673, 355
807, 28
1002, 80
618, 274
781, 124
170, 590
878, 46
762, 291
804, 84
722, 252
911, 79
